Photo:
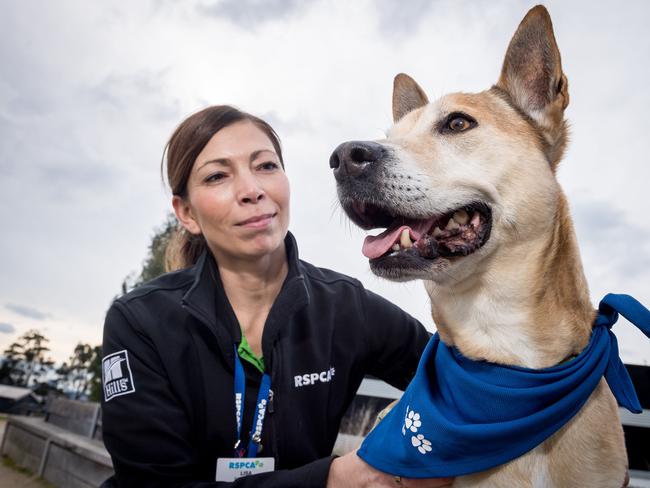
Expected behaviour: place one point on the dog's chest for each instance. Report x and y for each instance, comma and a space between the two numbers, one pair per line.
539, 469
491, 332
530, 470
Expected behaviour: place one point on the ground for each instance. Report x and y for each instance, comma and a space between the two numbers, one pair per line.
12, 476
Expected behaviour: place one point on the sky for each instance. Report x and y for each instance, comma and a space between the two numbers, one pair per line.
91, 91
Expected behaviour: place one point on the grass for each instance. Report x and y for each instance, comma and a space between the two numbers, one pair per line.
11, 464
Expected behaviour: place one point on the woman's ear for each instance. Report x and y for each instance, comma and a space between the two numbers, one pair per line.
184, 214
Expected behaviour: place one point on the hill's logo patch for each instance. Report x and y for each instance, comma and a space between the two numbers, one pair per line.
116, 375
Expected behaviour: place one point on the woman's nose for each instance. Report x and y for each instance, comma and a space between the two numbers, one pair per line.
250, 190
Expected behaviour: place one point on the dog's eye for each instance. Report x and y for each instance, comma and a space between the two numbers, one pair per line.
458, 122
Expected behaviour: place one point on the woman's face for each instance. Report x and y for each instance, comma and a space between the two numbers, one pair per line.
237, 194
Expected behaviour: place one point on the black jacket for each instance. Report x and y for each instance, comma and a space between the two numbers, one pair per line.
168, 373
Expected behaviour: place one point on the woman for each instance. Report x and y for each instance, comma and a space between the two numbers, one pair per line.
243, 319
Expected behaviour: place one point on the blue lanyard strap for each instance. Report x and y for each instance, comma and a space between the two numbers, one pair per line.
260, 409
240, 392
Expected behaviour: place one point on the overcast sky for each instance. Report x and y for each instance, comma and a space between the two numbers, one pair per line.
90, 92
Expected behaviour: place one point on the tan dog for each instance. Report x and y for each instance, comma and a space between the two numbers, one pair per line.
466, 187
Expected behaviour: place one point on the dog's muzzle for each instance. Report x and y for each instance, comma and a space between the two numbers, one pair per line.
354, 158
366, 173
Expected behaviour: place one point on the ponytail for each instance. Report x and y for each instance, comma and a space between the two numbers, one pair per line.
183, 249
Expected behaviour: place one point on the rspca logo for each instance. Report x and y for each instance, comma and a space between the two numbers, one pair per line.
116, 375
246, 464
313, 378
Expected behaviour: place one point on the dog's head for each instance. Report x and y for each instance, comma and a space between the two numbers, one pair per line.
457, 179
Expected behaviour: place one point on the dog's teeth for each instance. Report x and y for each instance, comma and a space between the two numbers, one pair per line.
395, 247
452, 224
405, 239
437, 232
461, 217
476, 219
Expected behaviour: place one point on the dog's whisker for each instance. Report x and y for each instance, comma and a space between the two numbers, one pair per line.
335, 205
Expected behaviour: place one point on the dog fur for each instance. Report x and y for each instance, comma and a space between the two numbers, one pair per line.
522, 298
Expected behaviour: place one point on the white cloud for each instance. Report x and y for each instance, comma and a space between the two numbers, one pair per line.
94, 90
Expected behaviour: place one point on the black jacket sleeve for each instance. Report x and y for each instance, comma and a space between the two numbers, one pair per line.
395, 341
148, 432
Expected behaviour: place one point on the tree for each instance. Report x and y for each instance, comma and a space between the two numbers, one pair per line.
9, 364
25, 359
75, 374
95, 370
154, 263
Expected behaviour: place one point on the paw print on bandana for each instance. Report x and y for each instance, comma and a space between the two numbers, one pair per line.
412, 421
421, 443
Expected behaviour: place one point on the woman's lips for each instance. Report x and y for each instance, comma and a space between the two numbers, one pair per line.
259, 221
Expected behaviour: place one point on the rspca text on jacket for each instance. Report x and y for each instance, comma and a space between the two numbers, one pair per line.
313, 378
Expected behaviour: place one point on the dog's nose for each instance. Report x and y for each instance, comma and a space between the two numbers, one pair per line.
354, 157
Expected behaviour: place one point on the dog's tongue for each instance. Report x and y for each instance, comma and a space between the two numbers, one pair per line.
376, 246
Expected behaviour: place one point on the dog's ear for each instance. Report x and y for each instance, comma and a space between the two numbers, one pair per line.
532, 76
407, 96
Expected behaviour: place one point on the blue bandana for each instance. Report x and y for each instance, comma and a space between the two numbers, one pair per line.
460, 416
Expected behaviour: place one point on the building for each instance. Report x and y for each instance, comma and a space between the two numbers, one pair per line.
19, 400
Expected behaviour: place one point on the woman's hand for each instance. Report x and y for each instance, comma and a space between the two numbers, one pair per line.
350, 471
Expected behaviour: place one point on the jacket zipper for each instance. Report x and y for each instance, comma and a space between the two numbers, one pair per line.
271, 409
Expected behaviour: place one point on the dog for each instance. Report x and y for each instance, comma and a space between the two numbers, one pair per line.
466, 188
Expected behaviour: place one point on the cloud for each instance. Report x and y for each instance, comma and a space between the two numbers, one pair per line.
402, 18
6, 328
608, 237
615, 251
286, 126
250, 13
142, 88
26, 311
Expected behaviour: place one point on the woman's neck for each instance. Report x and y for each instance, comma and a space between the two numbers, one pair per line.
252, 287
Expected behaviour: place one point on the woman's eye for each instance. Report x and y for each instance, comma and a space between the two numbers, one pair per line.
269, 165
215, 177
458, 122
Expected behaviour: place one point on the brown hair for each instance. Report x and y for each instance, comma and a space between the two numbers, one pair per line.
181, 151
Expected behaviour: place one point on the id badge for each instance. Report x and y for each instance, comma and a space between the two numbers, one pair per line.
230, 469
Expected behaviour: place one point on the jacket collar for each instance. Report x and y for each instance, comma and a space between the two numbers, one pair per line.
293, 296
201, 299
